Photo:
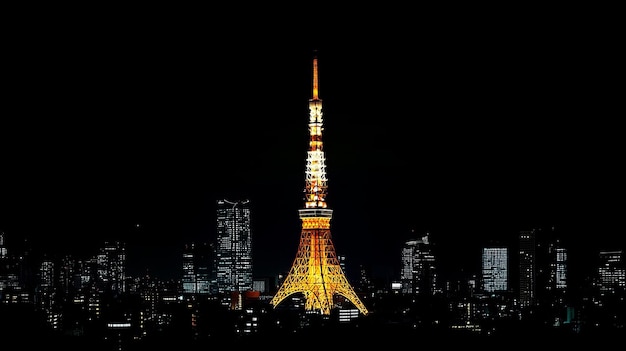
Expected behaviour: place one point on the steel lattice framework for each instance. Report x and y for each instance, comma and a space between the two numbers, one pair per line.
316, 272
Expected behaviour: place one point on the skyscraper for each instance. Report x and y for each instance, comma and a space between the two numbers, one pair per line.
316, 272
611, 272
610, 302
418, 275
542, 272
111, 261
495, 262
233, 255
198, 264
3, 249
189, 273
560, 268
557, 271
527, 268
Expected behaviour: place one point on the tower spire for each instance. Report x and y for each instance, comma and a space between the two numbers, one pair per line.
316, 272
316, 181
315, 86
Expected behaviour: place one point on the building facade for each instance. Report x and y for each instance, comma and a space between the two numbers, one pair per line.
418, 275
495, 263
233, 251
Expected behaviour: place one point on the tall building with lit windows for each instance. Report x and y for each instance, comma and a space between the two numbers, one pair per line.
556, 277
609, 308
542, 271
527, 268
418, 274
560, 268
3, 249
233, 251
198, 269
111, 262
495, 262
13, 275
46, 294
611, 272
555, 295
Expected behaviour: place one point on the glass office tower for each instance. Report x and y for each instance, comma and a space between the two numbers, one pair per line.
233, 256
495, 269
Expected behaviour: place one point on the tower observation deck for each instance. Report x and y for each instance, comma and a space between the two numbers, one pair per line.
316, 272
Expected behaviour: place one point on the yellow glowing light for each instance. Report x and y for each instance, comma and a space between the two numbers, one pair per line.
316, 272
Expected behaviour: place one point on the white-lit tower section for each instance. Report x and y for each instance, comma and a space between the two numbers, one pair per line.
233, 254
495, 269
316, 180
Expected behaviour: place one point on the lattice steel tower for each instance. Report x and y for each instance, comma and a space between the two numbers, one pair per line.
316, 272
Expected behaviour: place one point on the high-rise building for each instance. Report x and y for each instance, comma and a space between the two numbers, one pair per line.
46, 294
527, 268
495, 262
198, 269
46, 275
560, 268
553, 298
111, 262
3, 249
609, 308
542, 273
68, 276
316, 272
189, 274
611, 272
555, 280
233, 252
5, 273
418, 273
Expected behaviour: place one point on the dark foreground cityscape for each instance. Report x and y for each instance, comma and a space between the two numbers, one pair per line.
91, 303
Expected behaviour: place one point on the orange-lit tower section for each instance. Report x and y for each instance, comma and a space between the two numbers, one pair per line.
316, 272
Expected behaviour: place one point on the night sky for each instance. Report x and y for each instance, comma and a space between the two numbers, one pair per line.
469, 130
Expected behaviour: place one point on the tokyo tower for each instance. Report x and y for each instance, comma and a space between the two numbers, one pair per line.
316, 272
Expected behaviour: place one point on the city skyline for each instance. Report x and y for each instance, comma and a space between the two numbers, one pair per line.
117, 311
472, 139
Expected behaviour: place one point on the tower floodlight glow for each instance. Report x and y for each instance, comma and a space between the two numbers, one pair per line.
316, 272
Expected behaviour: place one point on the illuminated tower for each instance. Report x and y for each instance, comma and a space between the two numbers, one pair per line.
316, 271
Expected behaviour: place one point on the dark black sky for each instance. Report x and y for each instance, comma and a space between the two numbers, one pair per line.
468, 128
